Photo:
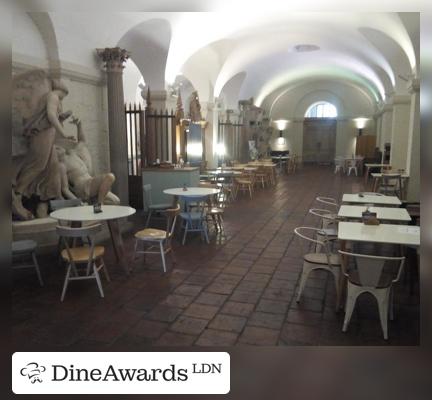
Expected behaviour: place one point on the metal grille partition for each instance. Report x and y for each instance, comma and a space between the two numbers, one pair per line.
151, 135
161, 136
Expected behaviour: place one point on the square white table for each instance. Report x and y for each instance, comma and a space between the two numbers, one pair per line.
383, 233
383, 213
372, 199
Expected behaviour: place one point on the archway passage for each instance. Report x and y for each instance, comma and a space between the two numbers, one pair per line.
319, 133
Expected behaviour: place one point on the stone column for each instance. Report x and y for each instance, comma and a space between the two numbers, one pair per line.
114, 59
400, 124
413, 157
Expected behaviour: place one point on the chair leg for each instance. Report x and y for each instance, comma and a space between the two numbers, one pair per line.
185, 232
351, 300
305, 273
383, 304
148, 218
37, 268
162, 255
66, 282
135, 250
105, 270
98, 280
336, 275
204, 227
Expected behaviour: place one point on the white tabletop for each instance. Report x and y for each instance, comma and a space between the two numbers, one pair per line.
383, 213
383, 233
372, 165
372, 199
224, 172
250, 168
191, 192
379, 175
85, 213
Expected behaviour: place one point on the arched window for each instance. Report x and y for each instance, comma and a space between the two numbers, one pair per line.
321, 109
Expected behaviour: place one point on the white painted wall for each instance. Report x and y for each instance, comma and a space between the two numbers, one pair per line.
349, 101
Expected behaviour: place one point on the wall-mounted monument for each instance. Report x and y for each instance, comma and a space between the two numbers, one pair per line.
38, 175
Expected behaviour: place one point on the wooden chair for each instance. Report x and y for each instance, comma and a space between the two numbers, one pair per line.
245, 183
148, 202
261, 177
194, 216
158, 240
369, 277
91, 256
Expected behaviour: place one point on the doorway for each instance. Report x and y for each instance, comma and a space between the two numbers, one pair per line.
319, 140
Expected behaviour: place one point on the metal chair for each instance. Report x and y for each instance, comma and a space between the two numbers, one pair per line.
88, 256
329, 225
352, 166
339, 164
391, 184
369, 277
330, 201
194, 216
22, 250
149, 203
326, 261
158, 238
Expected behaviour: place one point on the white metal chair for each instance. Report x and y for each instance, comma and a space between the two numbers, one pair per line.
391, 184
369, 277
91, 256
194, 216
329, 225
326, 261
158, 238
148, 203
23, 250
330, 201
352, 166
339, 164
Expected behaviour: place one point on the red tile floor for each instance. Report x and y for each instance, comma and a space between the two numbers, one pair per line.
239, 290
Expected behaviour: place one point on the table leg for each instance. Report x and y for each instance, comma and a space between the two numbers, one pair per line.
117, 242
366, 177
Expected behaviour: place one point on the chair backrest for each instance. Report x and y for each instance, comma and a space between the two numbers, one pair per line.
59, 204
308, 235
391, 179
369, 268
199, 203
171, 215
87, 232
339, 161
327, 217
327, 200
147, 194
352, 162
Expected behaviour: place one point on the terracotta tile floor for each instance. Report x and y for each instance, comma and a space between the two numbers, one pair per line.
239, 290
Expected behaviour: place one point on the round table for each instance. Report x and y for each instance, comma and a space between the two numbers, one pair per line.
191, 192
110, 213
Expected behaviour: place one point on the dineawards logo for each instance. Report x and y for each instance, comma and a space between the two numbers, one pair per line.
33, 371
121, 373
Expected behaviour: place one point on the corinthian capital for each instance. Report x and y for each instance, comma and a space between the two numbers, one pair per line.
114, 58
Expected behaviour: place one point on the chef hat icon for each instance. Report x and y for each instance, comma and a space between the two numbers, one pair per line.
33, 371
